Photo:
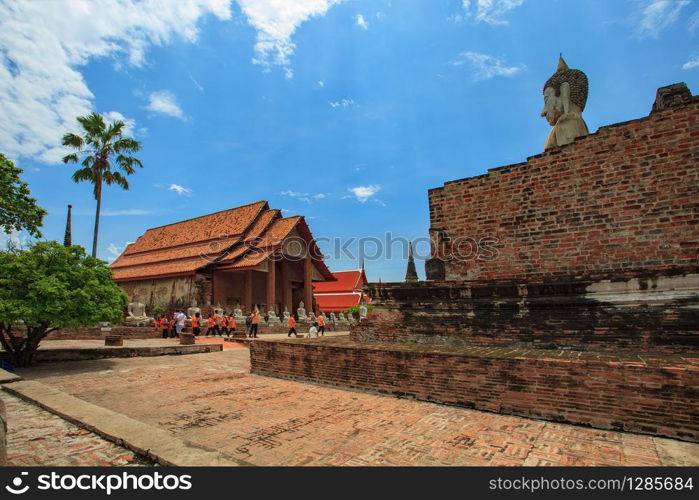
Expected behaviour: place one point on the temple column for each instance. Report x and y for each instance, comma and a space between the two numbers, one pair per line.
271, 285
286, 286
308, 283
248, 290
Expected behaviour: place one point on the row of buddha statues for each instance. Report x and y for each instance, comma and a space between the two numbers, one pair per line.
136, 315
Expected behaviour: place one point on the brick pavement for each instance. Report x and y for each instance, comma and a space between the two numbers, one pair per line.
38, 438
213, 400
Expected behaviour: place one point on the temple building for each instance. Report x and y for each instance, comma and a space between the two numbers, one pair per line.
247, 256
338, 296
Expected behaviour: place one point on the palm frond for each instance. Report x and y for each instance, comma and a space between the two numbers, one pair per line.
84, 174
71, 158
73, 141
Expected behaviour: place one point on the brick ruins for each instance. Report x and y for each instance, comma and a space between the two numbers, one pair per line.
580, 302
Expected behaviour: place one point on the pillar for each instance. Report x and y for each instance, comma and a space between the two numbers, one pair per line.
248, 290
308, 283
271, 285
286, 286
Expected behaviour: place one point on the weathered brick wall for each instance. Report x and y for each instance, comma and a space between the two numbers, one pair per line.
623, 199
650, 316
95, 333
655, 397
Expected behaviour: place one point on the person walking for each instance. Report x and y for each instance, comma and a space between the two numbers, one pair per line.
224, 324
196, 319
209, 325
179, 325
255, 321
321, 324
217, 330
173, 325
292, 326
164, 326
231, 325
248, 325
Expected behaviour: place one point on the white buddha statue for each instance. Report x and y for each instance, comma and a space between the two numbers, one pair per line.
136, 313
301, 312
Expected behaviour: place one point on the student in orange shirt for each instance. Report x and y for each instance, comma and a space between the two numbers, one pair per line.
224, 324
164, 326
321, 324
292, 326
196, 319
231, 324
216, 330
209, 325
255, 322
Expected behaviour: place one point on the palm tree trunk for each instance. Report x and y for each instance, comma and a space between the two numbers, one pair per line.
98, 195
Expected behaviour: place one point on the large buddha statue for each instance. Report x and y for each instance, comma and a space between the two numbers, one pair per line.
301, 312
565, 95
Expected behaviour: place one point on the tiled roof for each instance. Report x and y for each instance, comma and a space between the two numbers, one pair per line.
237, 238
337, 302
229, 222
347, 281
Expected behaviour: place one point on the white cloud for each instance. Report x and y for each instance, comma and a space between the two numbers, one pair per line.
114, 251
692, 63
44, 45
182, 191
164, 102
304, 197
361, 22
694, 22
275, 22
129, 123
488, 11
656, 15
320, 84
486, 66
363, 193
342, 103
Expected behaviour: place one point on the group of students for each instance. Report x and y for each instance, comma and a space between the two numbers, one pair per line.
223, 324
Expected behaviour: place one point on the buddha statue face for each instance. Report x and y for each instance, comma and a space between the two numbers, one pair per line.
553, 106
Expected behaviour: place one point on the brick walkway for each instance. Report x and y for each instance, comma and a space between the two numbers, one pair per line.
37, 437
212, 400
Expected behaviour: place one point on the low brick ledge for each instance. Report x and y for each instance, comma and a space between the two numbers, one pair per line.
647, 394
89, 353
670, 361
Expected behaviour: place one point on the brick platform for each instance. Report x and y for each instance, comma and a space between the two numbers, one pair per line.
646, 394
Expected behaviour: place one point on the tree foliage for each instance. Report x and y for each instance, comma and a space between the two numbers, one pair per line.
49, 287
18, 211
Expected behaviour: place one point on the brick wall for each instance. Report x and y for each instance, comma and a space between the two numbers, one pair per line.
623, 199
657, 396
654, 315
95, 333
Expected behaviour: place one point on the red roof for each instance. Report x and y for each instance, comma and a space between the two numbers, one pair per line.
214, 240
347, 281
337, 302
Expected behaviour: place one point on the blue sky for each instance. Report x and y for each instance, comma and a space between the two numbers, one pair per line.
343, 111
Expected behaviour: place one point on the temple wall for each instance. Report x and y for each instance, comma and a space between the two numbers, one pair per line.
229, 288
624, 200
658, 315
166, 293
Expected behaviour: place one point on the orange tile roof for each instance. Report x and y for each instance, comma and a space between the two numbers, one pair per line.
231, 222
337, 302
187, 246
346, 281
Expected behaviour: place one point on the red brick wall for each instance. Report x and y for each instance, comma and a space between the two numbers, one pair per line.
657, 397
652, 318
94, 333
624, 198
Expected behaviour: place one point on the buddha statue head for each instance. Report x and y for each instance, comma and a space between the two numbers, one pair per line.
565, 96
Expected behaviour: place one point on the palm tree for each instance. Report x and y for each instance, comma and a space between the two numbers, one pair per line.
102, 147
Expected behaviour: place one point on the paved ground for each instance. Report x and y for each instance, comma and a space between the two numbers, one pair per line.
213, 400
37, 437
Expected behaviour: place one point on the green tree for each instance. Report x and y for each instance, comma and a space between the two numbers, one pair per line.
49, 287
105, 157
17, 210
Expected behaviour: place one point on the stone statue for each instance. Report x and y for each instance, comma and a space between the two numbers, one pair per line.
341, 319
311, 317
272, 318
333, 318
350, 319
362, 311
286, 315
301, 312
136, 315
565, 95
238, 314
218, 309
193, 309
